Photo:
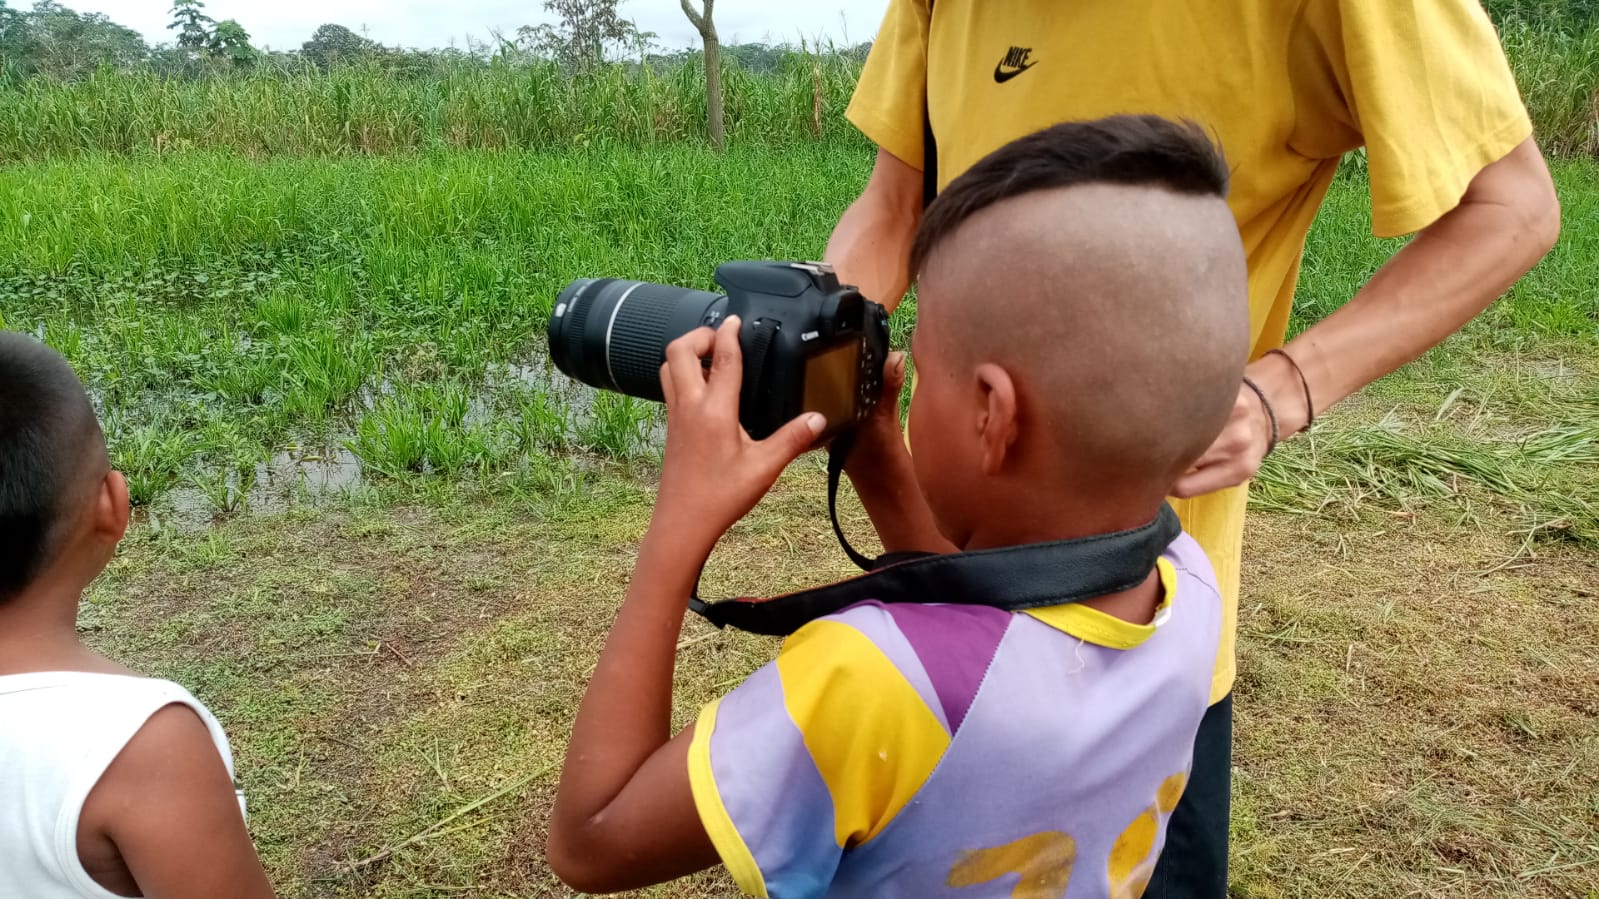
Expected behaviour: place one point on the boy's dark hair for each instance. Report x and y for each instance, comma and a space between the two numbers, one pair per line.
48, 438
1125, 149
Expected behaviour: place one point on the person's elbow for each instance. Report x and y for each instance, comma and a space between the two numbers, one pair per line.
896, 187
1540, 217
576, 863
1534, 204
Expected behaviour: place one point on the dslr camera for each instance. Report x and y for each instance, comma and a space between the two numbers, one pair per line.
810, 344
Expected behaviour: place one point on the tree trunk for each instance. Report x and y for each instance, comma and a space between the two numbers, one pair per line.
705, 24
713, 89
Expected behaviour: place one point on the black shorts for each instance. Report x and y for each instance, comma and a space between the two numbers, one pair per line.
1193, 864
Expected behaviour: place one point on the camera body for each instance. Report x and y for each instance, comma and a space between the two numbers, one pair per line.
809, 343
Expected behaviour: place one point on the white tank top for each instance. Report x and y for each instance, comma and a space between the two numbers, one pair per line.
59, 731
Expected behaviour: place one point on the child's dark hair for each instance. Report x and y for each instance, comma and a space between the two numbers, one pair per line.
48, 439
1126, 149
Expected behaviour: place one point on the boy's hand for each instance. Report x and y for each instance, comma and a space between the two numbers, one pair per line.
879, 465
881, 430
713, 473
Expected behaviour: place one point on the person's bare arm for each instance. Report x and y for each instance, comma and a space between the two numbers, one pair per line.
624, 813
881, 471
871, 249
1453, 270
871, 246
169, 807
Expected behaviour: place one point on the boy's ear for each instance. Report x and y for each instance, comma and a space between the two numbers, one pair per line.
111, 508
997, 421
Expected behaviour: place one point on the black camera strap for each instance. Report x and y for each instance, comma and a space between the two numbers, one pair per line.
929, 142
1011, 578
837, 455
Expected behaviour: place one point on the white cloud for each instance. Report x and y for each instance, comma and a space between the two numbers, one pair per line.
285, 24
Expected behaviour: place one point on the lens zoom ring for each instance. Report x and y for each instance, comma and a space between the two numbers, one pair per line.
638, 342
578, 318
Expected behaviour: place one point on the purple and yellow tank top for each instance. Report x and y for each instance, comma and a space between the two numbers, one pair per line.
960, 751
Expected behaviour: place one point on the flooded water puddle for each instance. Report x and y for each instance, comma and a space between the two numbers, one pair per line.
313, 472
293, 476
594, 419
495, 421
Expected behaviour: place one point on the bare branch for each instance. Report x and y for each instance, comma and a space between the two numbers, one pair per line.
694, 18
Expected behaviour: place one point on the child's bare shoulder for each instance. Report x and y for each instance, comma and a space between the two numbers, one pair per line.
169, 797
171, 757
171, 763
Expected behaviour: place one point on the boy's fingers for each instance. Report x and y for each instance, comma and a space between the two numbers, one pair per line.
727, 363
793, 439
667, 390
894, 374
683, 357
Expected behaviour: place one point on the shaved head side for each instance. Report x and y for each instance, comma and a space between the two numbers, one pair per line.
1119, 304
1143, 150
51, 453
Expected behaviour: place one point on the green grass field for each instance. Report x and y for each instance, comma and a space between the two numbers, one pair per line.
384, 541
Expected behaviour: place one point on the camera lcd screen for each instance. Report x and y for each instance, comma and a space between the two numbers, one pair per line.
830, 383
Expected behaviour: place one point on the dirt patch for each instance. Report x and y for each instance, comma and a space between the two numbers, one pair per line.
1418, 703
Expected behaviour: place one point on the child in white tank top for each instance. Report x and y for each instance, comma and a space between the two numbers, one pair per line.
111, 784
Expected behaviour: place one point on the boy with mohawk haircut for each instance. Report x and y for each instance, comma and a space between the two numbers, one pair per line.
1082, 332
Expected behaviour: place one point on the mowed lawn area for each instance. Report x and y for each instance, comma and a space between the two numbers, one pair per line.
384, 541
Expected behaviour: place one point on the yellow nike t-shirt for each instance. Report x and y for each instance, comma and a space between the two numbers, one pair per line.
1285, 87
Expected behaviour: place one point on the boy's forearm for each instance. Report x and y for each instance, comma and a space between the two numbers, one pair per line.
882, 474
626, 713
1448, 275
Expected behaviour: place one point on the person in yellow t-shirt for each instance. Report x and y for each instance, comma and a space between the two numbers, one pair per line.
1287, 89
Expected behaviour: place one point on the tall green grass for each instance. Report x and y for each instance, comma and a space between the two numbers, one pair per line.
363, 109
220, 308
223, 308
1558, 71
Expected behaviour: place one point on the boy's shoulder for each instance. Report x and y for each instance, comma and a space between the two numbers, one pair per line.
171, 747
110, 752
99, 712
898, 668
1189, 558
109, 685
98, 715
934, 653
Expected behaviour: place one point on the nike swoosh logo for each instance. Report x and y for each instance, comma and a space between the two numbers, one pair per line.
1002, 75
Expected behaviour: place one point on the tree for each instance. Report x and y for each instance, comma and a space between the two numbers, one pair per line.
704, 24
585, 34
231, 44
192, 25
12, 35
55, 41
334, 44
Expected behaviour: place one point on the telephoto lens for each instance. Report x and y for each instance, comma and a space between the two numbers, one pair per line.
809, 343
612, 334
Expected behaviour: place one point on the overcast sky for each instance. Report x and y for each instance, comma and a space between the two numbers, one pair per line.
286, 24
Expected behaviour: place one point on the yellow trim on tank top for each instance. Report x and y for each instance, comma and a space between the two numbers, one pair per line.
735, 853
1094, 626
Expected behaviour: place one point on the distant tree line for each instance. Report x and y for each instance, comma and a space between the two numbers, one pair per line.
54, 41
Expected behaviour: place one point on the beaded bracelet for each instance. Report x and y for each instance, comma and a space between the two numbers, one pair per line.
1310, 406
1271, 414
